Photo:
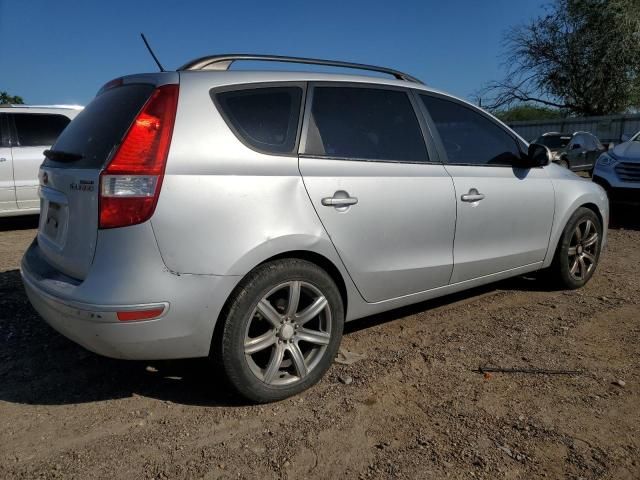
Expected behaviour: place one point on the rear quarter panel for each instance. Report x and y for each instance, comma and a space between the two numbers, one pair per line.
225, 208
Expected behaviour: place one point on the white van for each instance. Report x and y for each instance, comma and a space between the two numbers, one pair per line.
25, 132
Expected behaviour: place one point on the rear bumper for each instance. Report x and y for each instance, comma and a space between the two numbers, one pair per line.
192, 305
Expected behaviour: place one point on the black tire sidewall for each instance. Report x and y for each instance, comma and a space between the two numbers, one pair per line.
246, 297
562, 253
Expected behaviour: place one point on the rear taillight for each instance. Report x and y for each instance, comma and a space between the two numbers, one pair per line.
130, 185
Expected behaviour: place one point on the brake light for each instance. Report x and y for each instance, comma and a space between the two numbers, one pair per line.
130, 185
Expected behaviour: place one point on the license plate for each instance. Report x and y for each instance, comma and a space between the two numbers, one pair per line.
54, 213
51, 223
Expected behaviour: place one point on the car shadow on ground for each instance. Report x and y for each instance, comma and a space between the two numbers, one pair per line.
25, 222
38, 366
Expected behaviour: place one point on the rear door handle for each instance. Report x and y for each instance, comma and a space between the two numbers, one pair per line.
339, 202
339, 199
472, 196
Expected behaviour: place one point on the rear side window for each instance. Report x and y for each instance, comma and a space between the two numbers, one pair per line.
38, 129
364, 123
101, 126
264, 118
468, 137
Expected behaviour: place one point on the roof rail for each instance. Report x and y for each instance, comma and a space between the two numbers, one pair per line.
21, 105
223, 62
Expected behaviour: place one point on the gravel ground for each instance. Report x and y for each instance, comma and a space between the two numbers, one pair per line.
413, 408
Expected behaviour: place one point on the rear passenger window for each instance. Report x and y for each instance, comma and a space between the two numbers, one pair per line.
39, 129
468, 137
364, 123
265, 118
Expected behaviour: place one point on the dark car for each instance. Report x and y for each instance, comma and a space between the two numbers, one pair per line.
578, 151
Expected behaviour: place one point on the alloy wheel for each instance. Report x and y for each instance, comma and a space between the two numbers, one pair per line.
583, 249
288, 333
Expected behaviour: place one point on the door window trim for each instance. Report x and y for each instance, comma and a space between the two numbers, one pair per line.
433, 157
213, 93
436, 134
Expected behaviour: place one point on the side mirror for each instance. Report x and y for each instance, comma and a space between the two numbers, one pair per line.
538, 155
625, 137
576, 146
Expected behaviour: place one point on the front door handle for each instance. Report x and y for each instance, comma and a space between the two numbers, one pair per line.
340, 199
472, 196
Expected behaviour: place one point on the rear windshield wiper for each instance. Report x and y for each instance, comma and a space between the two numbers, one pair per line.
60, 156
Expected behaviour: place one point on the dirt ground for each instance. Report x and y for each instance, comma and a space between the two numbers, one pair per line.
415, 407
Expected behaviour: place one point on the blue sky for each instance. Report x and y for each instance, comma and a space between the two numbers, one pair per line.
63, 51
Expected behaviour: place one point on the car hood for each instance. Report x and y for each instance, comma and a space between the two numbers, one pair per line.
627, 151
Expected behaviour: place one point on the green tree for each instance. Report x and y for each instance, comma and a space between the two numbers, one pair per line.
581, 56
528, 112
6, 99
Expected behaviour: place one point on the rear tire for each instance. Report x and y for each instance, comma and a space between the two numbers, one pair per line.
578, 250
281, 331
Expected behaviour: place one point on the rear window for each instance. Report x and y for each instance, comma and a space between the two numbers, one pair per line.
101, 126
38, 129
264, 118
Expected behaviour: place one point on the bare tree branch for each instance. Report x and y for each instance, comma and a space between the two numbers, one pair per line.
579, 56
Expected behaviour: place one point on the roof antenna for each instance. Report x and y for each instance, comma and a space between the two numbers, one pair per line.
144, 39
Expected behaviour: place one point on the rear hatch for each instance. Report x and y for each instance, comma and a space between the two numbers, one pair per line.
70, 175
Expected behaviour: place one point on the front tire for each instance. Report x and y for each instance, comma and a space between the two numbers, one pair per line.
578, 251
282, 330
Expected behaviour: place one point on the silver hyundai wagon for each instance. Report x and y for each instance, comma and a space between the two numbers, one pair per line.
246, 215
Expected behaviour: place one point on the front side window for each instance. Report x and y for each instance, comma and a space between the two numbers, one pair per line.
364, 123
38, 129
468, 137
264, 118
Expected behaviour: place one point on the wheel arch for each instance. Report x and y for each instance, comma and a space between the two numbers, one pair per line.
589, 201
316, 258
593, 207
322, 262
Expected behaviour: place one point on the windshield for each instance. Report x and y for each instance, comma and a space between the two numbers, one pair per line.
636, 137
554, 141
